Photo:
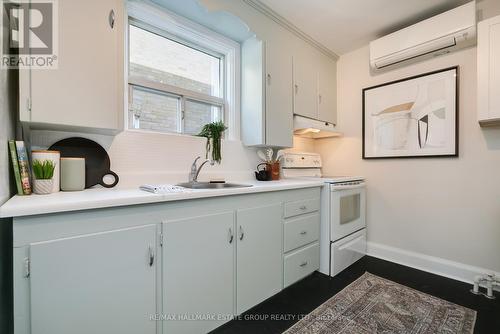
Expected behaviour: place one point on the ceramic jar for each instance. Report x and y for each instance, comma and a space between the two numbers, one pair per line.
274, 169
72, 174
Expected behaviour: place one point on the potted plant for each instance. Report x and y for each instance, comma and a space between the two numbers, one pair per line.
213, 132
43, 170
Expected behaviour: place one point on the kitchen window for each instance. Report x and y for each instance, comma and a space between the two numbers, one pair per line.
181, 76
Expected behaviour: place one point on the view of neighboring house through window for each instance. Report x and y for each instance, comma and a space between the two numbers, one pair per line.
174, 86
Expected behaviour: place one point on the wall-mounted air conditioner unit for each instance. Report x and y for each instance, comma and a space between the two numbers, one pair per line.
443, 33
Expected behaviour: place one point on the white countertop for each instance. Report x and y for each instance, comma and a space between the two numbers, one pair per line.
104, 198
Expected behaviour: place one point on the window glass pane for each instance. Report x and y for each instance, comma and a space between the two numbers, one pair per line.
349, 208
198, 114
155, 111
160, 59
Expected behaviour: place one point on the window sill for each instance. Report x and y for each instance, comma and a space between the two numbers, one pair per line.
172, 134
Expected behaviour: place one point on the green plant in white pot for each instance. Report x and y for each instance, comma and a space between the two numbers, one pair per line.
43, 171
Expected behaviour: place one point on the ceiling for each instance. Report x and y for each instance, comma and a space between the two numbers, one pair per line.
345, 25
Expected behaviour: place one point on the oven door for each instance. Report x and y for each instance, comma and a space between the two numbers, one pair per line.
348, 210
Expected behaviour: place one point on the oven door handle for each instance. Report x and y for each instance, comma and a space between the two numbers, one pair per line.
347, 187
352, 242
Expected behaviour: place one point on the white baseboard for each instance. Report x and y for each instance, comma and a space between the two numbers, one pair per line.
442, 267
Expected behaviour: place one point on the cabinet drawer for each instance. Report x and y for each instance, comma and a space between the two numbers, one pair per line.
301, 231
300, 207
301, 263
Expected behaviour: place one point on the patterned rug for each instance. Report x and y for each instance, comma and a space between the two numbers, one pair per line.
372, 304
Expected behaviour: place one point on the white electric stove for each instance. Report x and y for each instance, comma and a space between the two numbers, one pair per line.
343, 211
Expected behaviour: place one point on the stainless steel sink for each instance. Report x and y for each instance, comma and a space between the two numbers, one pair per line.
208, 185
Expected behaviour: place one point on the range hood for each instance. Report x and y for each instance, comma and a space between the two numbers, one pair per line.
311, 128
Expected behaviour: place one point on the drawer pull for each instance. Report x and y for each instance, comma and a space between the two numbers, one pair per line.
303, 264
303, 232
303, 207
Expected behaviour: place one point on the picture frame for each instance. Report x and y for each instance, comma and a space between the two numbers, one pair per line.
414, 117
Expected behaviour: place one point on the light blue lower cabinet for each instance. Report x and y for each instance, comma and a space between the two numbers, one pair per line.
167, 268
198, 267
212, 261
95, 283
259, 255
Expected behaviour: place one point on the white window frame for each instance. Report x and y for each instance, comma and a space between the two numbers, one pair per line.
159, 20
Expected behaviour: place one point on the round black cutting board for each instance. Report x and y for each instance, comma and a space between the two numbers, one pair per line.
97, 163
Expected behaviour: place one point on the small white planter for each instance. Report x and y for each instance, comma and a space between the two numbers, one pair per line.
43, 187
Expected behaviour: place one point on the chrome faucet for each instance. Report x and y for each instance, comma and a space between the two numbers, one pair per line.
195, 170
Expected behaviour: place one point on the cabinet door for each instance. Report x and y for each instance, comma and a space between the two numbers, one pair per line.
305, 89
488, 71
327, 91
259, 260
86, 90
97, 283
253, 92
279, 109
198, 272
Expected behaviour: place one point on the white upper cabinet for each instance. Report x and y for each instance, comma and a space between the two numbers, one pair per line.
315, 86
279, 113
277, 83
305, 86
327, 91
86, 91
488, 72
267, 115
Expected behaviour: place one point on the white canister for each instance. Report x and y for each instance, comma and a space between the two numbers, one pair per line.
54, 156
72, 174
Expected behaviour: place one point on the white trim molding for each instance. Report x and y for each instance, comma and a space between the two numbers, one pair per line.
435, 265
270, 13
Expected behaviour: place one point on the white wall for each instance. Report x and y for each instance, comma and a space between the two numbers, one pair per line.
443, 207
142, 157
301, 144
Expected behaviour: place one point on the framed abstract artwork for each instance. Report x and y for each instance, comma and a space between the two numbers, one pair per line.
413, 117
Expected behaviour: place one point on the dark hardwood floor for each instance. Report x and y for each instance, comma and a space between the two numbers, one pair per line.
281, 311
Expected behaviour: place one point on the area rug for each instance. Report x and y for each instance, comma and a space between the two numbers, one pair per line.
372, 304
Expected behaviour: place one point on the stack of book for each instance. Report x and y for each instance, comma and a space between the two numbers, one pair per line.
21, 166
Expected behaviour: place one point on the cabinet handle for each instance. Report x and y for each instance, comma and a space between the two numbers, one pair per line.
303, 207
303, 264
111, 18
296, 89
303, 232
230, 235
151, 256
268, 78
319, 97
242, 234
